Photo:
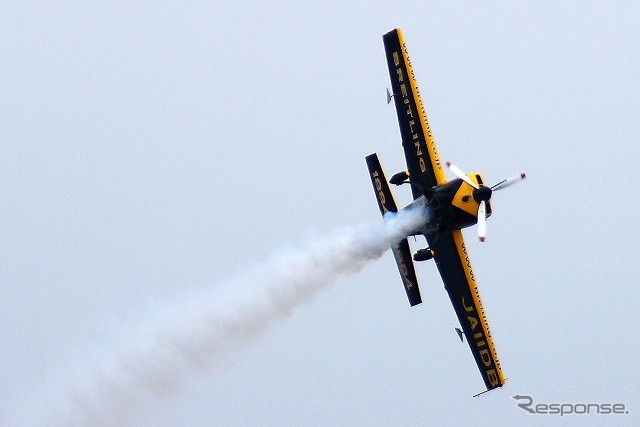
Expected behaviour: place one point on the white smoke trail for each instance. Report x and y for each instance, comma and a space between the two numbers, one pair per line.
200, 332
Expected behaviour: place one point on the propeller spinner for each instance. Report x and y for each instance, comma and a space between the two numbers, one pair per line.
482, 194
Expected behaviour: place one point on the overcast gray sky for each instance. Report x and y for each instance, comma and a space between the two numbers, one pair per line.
150, 152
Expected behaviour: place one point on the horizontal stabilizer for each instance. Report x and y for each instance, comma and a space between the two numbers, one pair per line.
402, 254
402, 251
380, 185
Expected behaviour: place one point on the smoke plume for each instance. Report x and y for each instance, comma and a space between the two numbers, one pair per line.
157, 358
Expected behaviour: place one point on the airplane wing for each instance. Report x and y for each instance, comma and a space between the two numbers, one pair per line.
423, 163
454, 266
401, 251
425, 171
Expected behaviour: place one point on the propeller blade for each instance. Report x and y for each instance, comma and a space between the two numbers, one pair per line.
461, 175
509, 181
482, 221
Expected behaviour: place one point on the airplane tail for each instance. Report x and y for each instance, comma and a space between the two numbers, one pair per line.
401, 251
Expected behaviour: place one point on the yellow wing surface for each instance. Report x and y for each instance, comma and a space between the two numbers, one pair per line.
425, 171
452, 259
420, 151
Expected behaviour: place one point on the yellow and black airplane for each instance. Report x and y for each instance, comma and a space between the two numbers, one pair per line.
448, 206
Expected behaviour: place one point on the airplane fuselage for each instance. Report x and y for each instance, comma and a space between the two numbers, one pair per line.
450, 206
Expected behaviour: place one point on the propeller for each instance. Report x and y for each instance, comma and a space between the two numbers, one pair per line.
509, 181
482, 194
453, 168
482, 221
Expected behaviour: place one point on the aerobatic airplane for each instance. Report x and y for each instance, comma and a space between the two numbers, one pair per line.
448, 206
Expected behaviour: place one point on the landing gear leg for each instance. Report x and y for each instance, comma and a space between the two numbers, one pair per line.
423, 255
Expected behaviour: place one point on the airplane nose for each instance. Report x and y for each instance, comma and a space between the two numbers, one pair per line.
482, 194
